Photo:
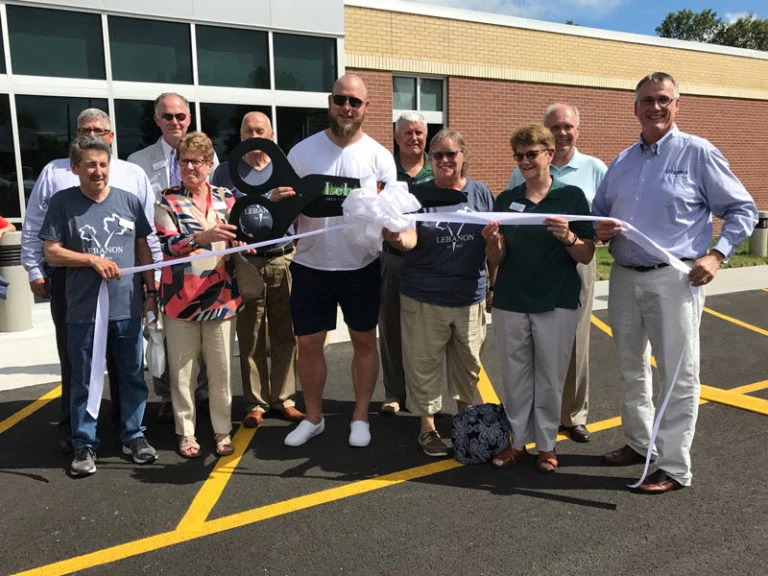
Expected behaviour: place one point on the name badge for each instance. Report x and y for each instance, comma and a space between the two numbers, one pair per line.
126, 224
517, 207
219, 205
158, 165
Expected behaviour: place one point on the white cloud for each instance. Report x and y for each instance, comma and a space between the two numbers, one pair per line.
731, 17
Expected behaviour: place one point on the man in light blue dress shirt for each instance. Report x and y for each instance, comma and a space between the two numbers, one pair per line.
50, 283
586, 172
667, 185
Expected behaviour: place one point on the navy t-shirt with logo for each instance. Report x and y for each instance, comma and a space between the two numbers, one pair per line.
447, 266
108, 229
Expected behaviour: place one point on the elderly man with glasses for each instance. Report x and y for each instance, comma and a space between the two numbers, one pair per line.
159, 161
668, 185
50, 282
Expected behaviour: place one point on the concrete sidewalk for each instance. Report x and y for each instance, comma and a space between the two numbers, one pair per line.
29, 357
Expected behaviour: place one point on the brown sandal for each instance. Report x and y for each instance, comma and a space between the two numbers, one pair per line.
224, 445
547, 462
508, 457
188, 447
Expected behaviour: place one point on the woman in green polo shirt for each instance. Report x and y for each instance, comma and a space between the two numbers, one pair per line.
536, 297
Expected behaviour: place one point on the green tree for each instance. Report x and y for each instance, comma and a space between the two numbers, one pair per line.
689, 25
706, 26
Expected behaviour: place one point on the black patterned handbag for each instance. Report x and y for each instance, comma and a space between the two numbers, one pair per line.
479, 432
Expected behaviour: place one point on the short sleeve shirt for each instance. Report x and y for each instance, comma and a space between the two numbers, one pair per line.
447, 266
538, 274
108, 229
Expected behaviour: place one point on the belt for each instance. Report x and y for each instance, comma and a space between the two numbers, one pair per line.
655, 266
275, 252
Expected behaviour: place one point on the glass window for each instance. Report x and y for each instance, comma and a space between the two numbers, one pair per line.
47, 124
431, 95
55, 43
295, 124
221, 122
150, 50
403, 93
245, 52
9, 188
304, 63
2, 54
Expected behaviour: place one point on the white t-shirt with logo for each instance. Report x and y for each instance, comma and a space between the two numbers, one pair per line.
319, 155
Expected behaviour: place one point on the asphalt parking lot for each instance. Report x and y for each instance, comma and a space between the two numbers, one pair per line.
326, 508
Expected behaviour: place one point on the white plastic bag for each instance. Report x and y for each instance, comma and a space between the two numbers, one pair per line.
153, 332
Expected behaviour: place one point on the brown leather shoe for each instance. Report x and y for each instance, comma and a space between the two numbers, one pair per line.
291, 414
508, 457
624, 456
578, 433
254, 418
658, 483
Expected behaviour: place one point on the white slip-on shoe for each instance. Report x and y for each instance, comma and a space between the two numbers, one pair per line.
359, 434
303, 432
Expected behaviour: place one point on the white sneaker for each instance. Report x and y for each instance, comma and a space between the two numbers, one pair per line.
303, 432
359, 434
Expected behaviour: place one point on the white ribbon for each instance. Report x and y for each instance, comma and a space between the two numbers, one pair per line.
365, 214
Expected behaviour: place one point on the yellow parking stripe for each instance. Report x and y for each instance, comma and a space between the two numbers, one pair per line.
737, 322
602, 325
213, 487
730, 398
484, 386
29, 409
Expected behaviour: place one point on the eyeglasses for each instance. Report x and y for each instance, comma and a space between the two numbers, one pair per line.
168, 117
663, 101
530, 155
437, 155
340, 100
94, 131
194, 163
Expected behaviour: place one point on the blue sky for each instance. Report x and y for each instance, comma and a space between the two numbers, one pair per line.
638, 16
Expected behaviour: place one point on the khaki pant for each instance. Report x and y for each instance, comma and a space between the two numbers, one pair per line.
187, 341
576, 392
432, 334
265, 286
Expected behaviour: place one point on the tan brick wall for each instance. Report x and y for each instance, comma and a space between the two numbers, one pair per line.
380, 39
487, 111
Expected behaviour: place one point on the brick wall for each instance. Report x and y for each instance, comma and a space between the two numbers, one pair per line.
487, 111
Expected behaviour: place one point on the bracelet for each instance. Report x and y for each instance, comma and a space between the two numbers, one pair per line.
575, 237
490, 288
151, 293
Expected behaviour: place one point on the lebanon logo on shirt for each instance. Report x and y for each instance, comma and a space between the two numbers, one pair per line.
453, 232
113, 226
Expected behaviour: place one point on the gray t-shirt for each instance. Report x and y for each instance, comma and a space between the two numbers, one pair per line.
447, 266
108, 229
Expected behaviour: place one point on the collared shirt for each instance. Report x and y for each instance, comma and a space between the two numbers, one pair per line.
56, 176
167, 149
583, 171
424, 175
669, 191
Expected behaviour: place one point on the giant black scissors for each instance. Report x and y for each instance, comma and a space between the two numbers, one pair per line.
258, 218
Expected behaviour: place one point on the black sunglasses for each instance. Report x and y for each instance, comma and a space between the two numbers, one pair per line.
180, 116
340, 100
531, 155
448, 155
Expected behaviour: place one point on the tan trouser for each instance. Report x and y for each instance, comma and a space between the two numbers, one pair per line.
576, 391
430, 334
186, 342
265, 286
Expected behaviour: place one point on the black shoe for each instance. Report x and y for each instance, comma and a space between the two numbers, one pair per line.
164, 413
578, 433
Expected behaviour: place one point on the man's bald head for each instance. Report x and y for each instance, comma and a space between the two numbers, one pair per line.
256, 125
351, 84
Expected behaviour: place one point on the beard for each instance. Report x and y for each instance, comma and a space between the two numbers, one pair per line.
345, 130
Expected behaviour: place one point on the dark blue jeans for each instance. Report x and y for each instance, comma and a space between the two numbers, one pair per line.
125, 345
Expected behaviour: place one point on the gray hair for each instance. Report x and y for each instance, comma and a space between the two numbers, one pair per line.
83, 143
95, 113
656, 77
165, 95
410, 116
557, 106
457, 138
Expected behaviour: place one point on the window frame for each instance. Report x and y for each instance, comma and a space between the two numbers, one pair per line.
431, 116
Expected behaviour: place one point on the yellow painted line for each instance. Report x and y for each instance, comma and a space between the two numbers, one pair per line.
736, 400
737, 322
29, 409
213, 487
602, 325
484, 386
748, 388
